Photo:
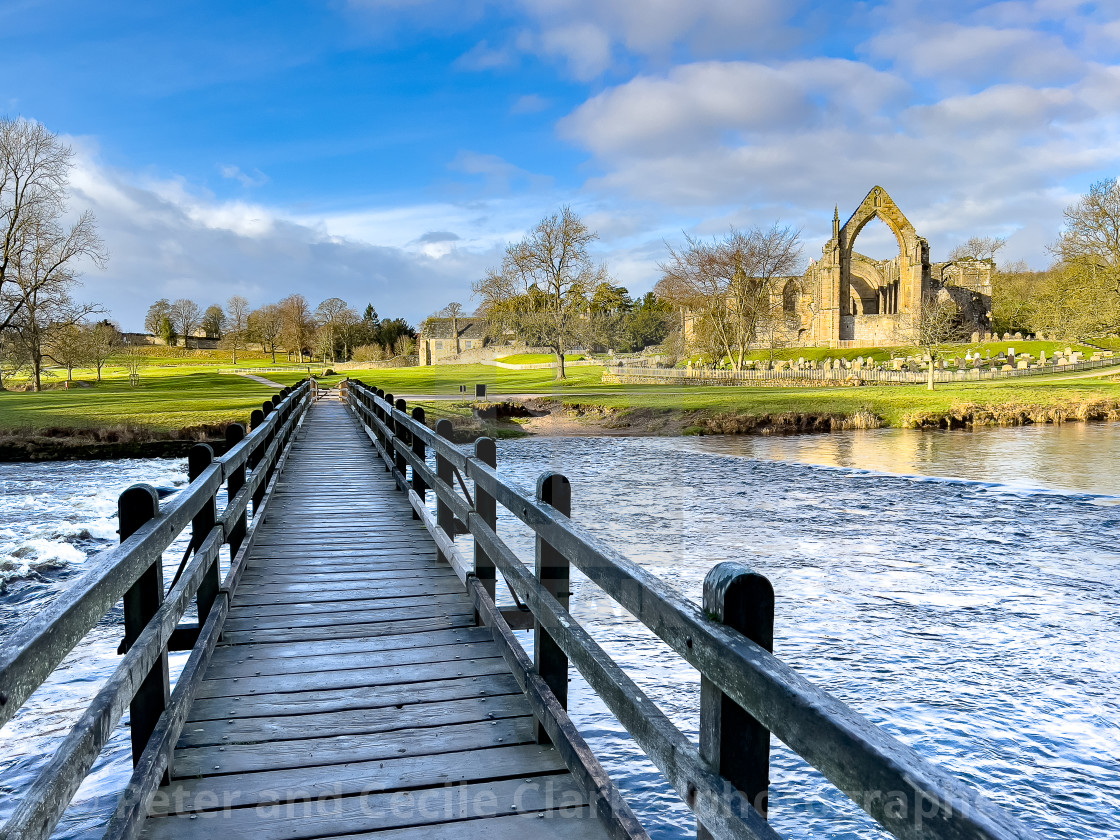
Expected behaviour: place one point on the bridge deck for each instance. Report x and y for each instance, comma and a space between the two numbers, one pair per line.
351, 693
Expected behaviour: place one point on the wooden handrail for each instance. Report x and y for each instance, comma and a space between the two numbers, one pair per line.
36, 648
905, 793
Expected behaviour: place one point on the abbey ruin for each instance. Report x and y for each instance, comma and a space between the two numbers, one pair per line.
848, 299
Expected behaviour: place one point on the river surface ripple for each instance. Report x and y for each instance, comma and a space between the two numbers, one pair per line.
959, 589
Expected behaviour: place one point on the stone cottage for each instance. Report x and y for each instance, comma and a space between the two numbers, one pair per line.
443, 337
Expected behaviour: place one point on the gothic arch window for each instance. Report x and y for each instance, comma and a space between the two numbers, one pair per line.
791, 294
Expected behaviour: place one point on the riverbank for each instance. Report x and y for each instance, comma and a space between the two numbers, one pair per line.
745, 411
106, 444
171, 411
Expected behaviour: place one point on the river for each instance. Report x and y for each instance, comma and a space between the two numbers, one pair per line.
958, 588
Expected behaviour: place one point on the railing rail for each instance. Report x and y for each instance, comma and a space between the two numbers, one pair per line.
747, 692
133, 572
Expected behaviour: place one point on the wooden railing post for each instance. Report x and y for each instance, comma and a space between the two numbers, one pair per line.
255, 421
199, 459
235, 433
554, 573
137, 505
732, 742
380, 415
399, 431
445, 519
420, 451
486, 507
268, 408
387, 438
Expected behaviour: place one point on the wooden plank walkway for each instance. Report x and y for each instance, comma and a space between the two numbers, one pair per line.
351, 693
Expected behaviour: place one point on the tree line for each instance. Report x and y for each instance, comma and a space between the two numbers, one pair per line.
1078, 295
550, 292
40, 251
332, 332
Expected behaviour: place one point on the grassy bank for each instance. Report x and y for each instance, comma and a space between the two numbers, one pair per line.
171, 408
185, 402
661, 409
958, 405
169, 401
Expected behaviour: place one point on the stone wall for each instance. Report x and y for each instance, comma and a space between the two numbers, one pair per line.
487, 354
876, 330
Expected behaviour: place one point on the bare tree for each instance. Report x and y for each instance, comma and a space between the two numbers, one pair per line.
103, 340
68, 346
13, 357
266, 326
237, 323
213, 321
728, 286
1090, 241
405, 345
134, 359
34, 170
348, 324
935, 325
454, 311
540, 291
298, 325
158, 313
186, 315
980, 247
330, 316
38, 294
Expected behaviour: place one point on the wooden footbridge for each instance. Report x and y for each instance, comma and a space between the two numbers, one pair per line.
350, 675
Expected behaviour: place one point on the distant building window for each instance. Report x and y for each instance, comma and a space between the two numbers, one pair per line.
439, 345
467, 345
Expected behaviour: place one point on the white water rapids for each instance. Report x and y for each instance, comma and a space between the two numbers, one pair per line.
960, 589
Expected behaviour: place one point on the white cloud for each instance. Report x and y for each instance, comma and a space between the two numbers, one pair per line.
749, 143
530, 104
698, 104
256, 179
498, 173
977, 54
168, 240
658, 27
484, 57
585, 47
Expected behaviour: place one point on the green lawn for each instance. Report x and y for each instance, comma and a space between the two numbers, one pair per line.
447, 379
166, 399
177, 396
894, 405
538, 358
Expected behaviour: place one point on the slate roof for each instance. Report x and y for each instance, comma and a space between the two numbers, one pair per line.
472, 328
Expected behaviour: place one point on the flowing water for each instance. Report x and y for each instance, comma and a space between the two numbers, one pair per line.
958, 588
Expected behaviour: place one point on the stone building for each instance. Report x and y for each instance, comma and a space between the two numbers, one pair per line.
438, 338
848, 299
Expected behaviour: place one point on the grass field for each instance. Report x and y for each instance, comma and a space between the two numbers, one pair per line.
167, 399
176, 396
895, 406
537, 358
447, 379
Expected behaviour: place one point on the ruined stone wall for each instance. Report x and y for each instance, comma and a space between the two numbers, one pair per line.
878, 330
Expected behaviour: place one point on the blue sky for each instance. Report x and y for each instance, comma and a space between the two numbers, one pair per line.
386, 150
